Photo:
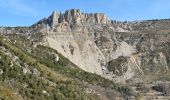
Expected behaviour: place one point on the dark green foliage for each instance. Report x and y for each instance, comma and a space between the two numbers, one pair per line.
35, 86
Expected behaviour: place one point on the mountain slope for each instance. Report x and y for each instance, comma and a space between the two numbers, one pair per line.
93, 42
30, 78
95, 52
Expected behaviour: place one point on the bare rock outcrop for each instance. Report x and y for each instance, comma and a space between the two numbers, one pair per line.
95, 43
116, 50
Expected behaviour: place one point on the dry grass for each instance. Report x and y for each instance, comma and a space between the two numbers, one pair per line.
8, 94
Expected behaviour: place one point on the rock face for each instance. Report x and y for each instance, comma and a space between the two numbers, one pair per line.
75, 20
116, 50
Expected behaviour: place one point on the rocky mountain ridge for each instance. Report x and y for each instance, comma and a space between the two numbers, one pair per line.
119, 51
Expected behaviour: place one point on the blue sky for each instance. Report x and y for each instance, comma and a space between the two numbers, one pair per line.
27, 12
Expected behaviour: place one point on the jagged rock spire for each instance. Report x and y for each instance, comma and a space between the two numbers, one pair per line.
75, 16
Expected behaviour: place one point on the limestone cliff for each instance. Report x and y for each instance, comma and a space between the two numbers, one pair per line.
95, 43
116, 50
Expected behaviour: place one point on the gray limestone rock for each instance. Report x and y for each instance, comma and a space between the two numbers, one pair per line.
116, 50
